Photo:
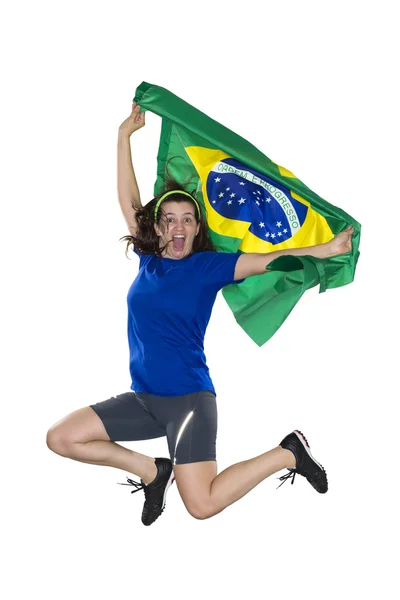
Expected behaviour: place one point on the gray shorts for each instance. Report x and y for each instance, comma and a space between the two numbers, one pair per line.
189, 422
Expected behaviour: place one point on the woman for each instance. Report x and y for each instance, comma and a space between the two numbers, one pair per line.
169, 306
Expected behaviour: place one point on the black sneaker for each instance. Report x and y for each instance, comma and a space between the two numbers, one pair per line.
306, 464
156, 491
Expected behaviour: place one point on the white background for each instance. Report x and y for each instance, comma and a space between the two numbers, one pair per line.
312, 85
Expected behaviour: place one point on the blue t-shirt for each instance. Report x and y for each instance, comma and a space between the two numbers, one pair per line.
169, 307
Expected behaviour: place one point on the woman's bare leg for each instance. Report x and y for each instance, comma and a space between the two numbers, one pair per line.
205, 493
81, 436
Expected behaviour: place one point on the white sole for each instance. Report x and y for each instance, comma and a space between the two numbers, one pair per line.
307, 447
170, 482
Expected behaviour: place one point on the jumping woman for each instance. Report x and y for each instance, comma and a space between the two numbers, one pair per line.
172, 395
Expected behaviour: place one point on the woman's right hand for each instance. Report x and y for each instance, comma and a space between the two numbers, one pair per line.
134, 122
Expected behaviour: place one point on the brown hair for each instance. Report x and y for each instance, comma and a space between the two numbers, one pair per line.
146, 240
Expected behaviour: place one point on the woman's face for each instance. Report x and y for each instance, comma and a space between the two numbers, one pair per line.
179, 227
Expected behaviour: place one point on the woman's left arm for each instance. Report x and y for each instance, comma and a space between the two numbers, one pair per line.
256, 264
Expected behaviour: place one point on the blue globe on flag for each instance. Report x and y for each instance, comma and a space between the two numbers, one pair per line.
241, 193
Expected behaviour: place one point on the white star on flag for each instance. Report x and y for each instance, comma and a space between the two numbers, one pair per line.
227, 189
242, 200
242, 183
220, 195
232, 195
229, 201
268, 200
257, 202
217, 179
272, 235
261, 225
280, 233
279, 224
267, 234
285, 231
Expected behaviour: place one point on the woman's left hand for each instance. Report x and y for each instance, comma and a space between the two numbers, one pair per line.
341, 243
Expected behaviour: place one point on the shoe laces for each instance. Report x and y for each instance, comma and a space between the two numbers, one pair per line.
151, 503
137, 485
291, 475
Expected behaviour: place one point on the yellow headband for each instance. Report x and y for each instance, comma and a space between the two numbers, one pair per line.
174, 192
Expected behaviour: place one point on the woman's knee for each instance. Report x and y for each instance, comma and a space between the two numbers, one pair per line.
194, 483
199, 512
200, 509
60, 440
83, 425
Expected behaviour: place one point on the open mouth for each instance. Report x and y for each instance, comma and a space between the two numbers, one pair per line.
178, 242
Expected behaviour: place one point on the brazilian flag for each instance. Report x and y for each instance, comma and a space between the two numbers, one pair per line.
252, 205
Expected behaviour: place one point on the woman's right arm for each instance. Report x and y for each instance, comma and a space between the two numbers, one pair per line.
128, 191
